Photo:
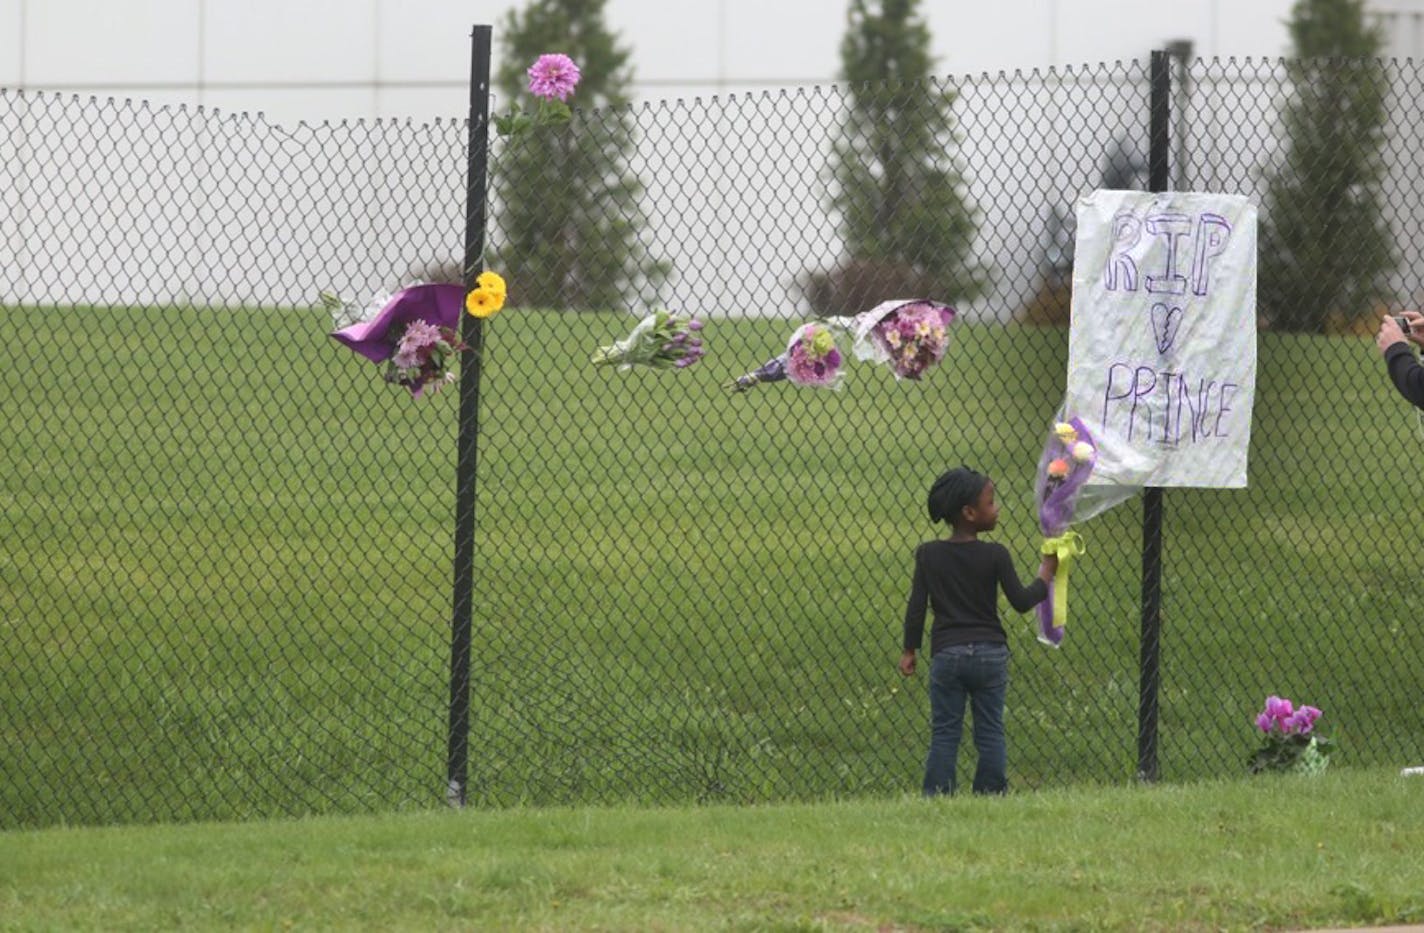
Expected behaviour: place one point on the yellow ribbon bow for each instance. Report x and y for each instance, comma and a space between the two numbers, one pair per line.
1065, 547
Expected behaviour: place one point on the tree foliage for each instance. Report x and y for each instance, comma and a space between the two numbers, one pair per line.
567, 224
1325, 244
901, 196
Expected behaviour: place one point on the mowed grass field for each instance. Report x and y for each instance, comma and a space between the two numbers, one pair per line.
227, 568
1342, 850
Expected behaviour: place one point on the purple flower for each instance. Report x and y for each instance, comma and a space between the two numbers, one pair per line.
412, 350
1281, 713
1305, 719
694, 324
553, 76
1278, 708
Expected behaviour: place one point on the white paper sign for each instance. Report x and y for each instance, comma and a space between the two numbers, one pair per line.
1162, 345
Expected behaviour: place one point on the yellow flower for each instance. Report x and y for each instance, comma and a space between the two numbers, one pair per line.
1066, 432
492, 282
482, 302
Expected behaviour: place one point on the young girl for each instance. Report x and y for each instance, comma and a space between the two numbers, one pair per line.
960, 577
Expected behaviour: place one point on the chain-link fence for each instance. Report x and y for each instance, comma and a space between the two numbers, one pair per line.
227, 558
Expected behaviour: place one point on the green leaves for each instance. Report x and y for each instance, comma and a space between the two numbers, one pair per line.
1300, 754
548, 113
554, 113
513, 123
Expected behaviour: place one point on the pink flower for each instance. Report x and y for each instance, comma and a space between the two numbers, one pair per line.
415, 343
1280, 713
553, 76
1278, 708
1304, 719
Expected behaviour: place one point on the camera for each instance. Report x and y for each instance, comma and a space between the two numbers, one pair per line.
1403, 322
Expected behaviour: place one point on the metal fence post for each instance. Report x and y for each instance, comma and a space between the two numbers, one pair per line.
472, 332
1149, 671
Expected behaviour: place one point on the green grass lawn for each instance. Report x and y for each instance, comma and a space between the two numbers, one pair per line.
1342, 849
227, 566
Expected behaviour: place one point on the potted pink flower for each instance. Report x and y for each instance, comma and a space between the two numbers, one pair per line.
1289, 742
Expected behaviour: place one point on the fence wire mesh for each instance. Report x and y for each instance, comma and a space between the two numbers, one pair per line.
227, 561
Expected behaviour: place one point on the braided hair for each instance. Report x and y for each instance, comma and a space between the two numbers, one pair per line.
954, 490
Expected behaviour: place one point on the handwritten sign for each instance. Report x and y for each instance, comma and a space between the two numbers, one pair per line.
1162, 346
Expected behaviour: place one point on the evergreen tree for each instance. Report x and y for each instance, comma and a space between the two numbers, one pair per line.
1325, 244
567, 218
905, 215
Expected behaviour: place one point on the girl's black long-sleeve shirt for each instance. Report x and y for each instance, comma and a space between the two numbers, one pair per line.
960, 581
1405, 372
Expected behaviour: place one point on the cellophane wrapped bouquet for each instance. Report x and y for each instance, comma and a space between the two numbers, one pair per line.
661, 340
413, 332
1068, 458
911, 337
812, 358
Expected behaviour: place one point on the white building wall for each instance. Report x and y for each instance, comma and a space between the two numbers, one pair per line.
1402, 22
318, 60
274, 68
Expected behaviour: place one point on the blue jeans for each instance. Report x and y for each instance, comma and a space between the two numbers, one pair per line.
977, 673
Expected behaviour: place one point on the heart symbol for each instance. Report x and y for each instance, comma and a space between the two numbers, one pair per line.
1165, 323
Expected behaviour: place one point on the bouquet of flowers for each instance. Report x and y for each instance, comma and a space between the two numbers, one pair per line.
660, 340
413, 332
811, 359
911, 336
1067, 461
423, 357
1289, 741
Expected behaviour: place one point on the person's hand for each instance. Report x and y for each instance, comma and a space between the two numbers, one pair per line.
907, 664
1415, 331
1048, 568
1389, 332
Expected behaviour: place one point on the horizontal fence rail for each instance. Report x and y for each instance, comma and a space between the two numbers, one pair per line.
226, 570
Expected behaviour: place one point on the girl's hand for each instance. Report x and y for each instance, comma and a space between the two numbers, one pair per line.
907, 664
1048, 568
